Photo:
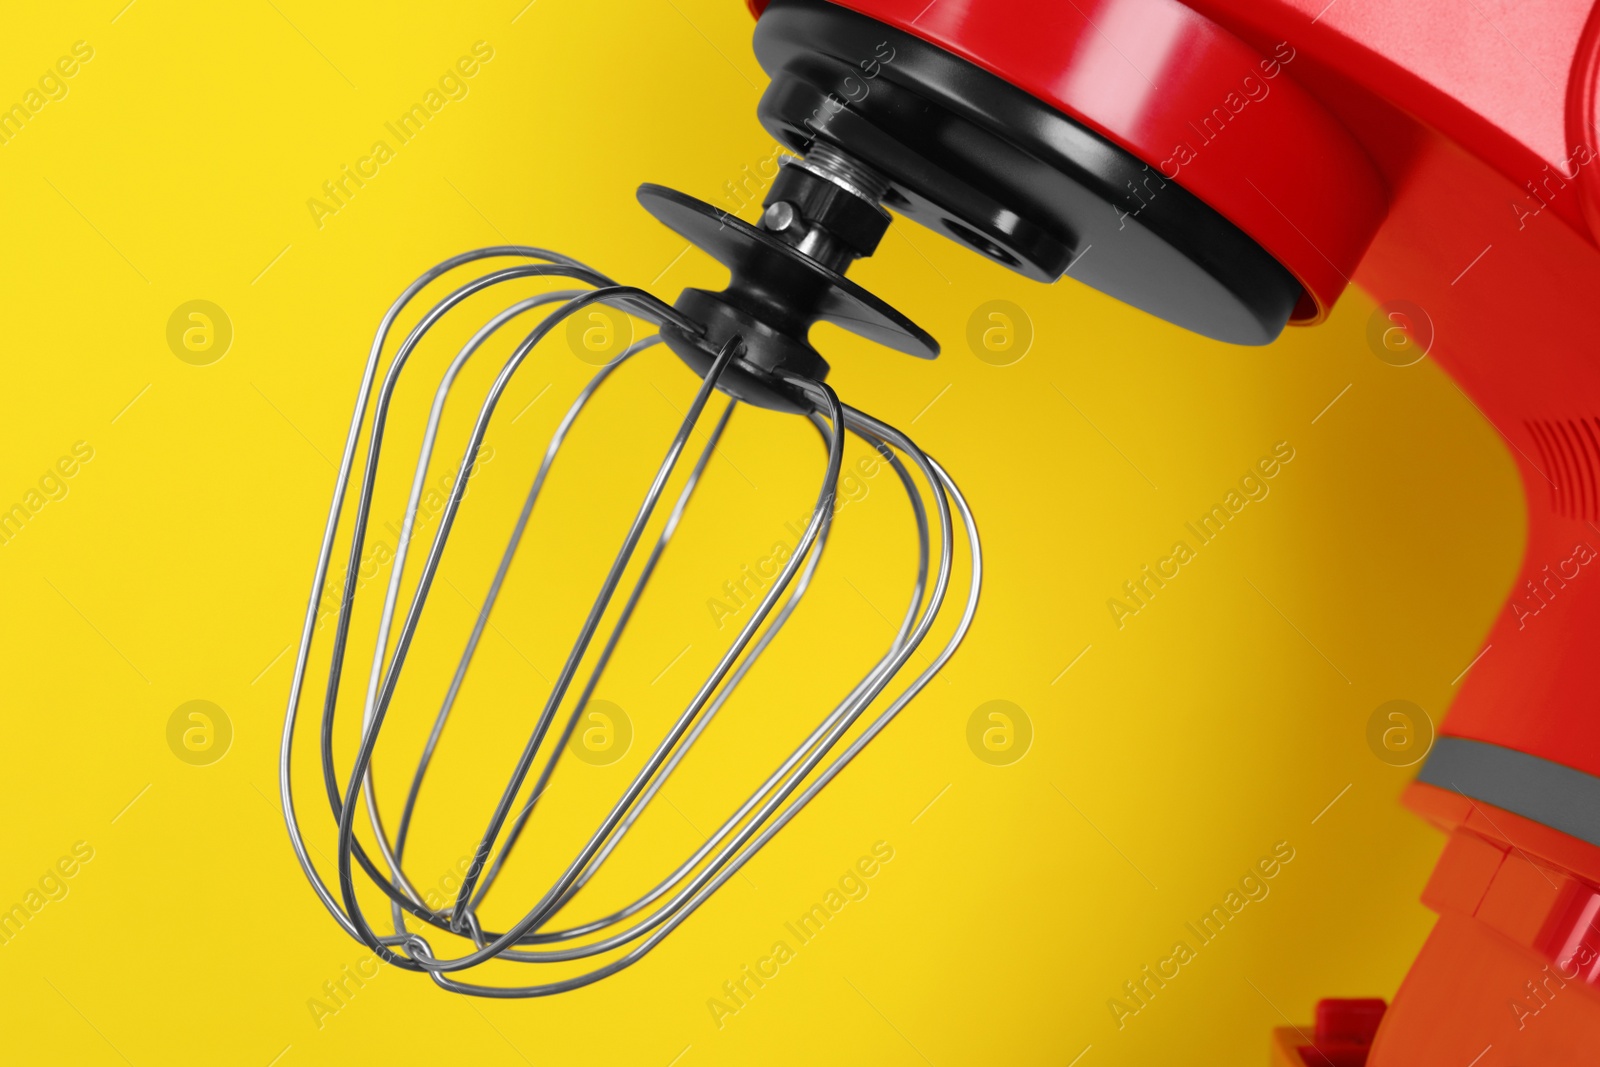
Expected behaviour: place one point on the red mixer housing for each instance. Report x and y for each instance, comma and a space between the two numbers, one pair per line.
1443, 157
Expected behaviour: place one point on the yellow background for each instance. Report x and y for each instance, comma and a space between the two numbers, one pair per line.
1170, 757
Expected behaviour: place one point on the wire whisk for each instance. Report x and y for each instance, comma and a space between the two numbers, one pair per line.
545, 933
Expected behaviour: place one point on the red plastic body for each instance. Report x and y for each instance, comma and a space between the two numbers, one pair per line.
1443, 153
1342, 1036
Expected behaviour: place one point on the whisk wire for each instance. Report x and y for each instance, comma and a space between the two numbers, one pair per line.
751, 802
756, 835
592, 622
617, 629
392, 592
492, 595
425, 581
330, 532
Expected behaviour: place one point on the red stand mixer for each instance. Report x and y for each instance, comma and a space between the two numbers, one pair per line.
1230, 167
1444, 158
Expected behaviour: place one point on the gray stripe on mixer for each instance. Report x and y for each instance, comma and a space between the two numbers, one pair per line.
1539, 789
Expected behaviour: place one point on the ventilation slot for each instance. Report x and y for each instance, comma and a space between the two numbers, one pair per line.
1569, 460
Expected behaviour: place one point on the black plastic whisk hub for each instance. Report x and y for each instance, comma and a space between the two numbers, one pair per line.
821, 214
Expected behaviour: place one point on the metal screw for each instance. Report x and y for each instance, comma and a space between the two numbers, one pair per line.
780, 216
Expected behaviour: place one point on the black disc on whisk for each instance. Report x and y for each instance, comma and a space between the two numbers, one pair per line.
778, 290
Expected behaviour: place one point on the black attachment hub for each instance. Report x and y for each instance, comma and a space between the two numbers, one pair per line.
821, 214
975, 158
